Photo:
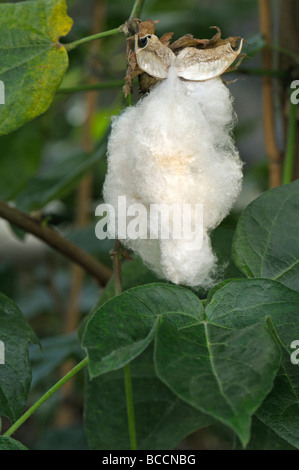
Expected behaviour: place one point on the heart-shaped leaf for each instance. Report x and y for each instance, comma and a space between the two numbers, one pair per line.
122, 328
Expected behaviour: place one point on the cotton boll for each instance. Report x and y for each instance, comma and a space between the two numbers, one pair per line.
193, 268
175, 147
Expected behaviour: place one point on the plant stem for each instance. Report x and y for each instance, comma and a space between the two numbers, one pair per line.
268, 104
117, 261
93, 87
71, 251
291, 145
130, 406
117, 268
103, 34
136, 12
137, 8
45, 397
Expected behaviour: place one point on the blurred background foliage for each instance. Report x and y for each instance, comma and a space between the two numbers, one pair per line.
55, 166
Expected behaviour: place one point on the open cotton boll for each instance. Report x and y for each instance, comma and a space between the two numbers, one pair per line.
175, 147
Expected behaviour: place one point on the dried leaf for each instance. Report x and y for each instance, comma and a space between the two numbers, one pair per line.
136, 26
166, 38
188, 41
147, 27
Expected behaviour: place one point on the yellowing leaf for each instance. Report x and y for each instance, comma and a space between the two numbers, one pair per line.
32, 61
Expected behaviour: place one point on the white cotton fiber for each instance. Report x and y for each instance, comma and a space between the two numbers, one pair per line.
175, 146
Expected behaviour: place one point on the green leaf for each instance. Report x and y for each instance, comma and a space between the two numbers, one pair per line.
225, 373
134, 273
193, 358
15, 373
266, 243
241, 303
280, 410
58, 180
222, 238
33, 61
263, 438
162, 419
123, 327
19, 150
7, 443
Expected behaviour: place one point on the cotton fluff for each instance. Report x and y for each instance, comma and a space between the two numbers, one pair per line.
175, 146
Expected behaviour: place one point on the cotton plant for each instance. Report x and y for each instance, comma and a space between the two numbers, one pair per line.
175, 146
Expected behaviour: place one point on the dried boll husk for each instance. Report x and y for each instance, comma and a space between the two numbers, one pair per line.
191, 63
175, 147
146, 81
